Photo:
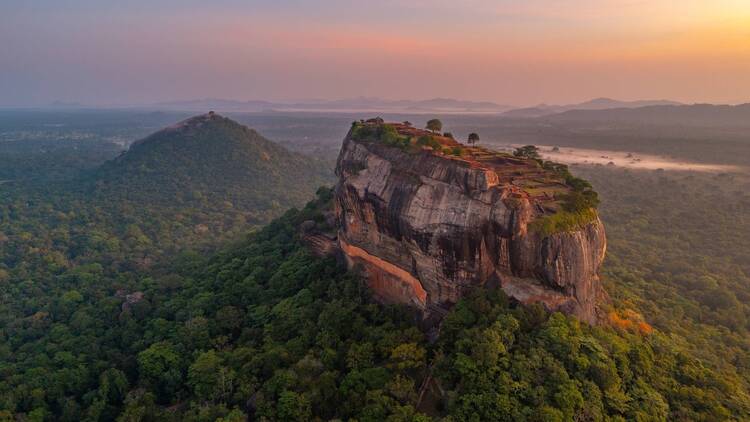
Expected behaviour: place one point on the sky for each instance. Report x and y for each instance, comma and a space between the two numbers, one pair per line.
518, 52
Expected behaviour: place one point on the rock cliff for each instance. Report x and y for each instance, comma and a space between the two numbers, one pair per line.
428, 219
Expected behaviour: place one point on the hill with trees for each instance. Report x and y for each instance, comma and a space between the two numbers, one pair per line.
210, 159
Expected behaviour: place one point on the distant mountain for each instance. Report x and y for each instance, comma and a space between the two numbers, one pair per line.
217, 104
66, 104
531, 112
607, 103
359, 104
705, 115
434, 104
595, 104
212, 161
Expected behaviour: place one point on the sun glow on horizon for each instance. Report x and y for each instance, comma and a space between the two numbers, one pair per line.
510, 52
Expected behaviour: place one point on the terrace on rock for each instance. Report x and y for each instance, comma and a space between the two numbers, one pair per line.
545, 183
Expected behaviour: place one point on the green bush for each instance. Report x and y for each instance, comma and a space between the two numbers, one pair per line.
429, 141
384, 133
563, 221
577, 201
435, 145
583, 195
388, 134
424, 140
528, 151
362, 132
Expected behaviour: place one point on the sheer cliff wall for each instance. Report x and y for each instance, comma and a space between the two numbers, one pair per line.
426, 228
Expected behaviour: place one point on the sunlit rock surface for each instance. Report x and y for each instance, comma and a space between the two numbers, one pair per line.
427, 227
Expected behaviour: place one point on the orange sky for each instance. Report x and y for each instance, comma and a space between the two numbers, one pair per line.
521, 53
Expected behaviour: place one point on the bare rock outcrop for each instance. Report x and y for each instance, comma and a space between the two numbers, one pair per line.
426, 227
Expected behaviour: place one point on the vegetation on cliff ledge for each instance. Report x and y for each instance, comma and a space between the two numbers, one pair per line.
577, 207
402, 136
381, 132
563, 221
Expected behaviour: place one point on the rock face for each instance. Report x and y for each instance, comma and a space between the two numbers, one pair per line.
426, 227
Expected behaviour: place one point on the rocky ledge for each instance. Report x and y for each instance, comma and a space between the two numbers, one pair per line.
428, 219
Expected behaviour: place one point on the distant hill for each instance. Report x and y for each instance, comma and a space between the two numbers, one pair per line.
372, 104
530, 112
607, 103
595, 104
217, 104
430, 105
210, 161
705, 115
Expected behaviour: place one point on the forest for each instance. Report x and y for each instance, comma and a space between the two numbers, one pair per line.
121, 312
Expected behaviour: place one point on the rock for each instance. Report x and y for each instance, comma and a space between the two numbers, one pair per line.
427, 228
320, 244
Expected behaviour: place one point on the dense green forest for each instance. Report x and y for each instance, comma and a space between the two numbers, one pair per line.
38, 162
264, 329
111, 309
679, 253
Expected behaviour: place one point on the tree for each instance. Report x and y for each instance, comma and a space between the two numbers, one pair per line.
434, 125
139, 406
159, 366
360, 355
473, 138
424, 140
113, 386
235, 415
229, 319
581, 200
528, 151
407, 356
208, 379
293, 407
